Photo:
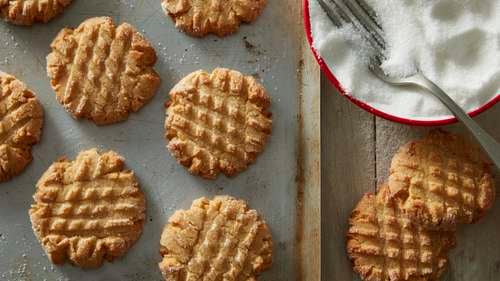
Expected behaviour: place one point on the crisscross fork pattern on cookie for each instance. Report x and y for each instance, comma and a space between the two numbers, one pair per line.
217, 122
217, 239
26, 12
220, 17
21, 121
88, 210
385, 245
102, 72
442, 180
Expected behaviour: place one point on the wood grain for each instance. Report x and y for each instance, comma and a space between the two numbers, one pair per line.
310, 177
357, 149
348, 171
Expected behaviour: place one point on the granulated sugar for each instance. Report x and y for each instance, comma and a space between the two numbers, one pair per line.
456, 43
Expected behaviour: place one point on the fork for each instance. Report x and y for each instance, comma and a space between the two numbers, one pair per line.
364, 19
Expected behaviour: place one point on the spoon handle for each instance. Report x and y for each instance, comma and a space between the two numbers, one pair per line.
489, 144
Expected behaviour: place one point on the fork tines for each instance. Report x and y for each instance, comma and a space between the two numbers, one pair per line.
360, 15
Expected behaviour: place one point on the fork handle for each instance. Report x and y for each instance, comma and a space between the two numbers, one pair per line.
489, 144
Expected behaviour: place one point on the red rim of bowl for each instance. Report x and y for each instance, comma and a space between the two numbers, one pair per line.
326, 70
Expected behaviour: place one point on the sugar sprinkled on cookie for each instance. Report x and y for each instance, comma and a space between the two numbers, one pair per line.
88, 210
218, 239
27, 12
21, 121
220, 17
384, 245
102, 72
217, 122
442, 180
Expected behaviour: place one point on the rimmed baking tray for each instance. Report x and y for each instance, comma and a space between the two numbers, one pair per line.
283, 184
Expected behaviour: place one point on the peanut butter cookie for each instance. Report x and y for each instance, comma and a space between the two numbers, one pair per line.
217, 122
27, 12
21, 121
88, 210
384, 245
102, 72
220, 17
442, 180
219, 239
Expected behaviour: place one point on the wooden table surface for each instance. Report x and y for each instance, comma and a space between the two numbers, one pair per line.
356, 151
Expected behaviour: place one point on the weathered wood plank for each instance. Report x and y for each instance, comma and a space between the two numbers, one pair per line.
477, 256
310, 173
348, 171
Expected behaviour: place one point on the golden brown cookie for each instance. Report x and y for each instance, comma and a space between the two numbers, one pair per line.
217, 122
27, 12
442, 180
21, 121
220, 17
219, 239
88, 210
384, 245
102, 72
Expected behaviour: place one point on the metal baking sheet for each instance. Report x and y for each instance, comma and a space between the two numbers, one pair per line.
270, 49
